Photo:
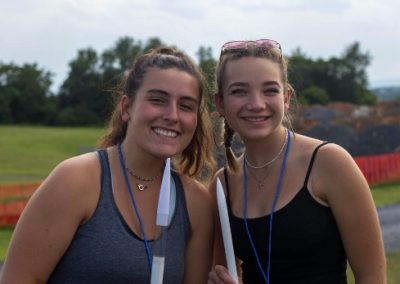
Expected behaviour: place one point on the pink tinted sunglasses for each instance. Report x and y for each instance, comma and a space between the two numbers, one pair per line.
244, 44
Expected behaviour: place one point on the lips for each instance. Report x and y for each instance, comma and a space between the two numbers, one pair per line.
165, 132
255, 118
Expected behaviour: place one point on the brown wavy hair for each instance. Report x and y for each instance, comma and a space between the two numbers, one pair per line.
196, 160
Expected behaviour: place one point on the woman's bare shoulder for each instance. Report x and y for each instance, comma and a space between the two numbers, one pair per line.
76, 179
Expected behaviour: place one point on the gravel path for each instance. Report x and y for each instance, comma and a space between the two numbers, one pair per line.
389, 218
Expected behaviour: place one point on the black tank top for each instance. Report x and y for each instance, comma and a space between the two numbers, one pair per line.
306, 243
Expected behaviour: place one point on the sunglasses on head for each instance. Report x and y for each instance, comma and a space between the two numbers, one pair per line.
244, 44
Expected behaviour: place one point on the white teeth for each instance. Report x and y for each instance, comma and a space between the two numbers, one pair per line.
255, 118
165, 132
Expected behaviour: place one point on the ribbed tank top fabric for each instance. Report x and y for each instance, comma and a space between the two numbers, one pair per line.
306, 243
106, 250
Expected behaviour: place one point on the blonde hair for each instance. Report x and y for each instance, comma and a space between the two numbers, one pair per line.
271, 54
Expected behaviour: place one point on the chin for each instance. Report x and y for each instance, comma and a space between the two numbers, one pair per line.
254, 135
165, 153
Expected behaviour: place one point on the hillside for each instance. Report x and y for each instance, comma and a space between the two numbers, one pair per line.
387, 93
362, 130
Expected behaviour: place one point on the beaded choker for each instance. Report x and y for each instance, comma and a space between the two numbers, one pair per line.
141, 186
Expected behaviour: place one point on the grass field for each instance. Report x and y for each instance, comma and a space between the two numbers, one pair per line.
30, 153
5, 236
393, 262
386, 194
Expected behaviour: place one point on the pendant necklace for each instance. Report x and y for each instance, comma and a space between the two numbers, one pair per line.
264, 273
260, 182
249, 164
128, 185
141, 186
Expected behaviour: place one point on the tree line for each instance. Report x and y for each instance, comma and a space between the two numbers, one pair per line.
85, 97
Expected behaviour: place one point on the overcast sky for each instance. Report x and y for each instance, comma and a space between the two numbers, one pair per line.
50, 32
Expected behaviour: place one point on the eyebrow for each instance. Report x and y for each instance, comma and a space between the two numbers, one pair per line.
158, 91
268, 83
164, 93
244, 84
238, 84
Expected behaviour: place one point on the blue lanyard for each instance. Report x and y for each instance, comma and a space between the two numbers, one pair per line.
128, 184
276, 195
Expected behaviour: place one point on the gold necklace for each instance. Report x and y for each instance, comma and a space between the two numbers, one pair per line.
260, 183
248, 163
141, 186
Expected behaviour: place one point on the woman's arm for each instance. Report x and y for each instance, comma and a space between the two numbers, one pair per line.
198, 255
340, 182
48, 223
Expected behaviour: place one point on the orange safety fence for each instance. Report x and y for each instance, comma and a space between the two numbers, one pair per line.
380, 168
13, 199
376, 169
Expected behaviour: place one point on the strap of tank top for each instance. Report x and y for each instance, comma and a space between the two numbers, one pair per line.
101, 153
172, 202
312, 162
105, 170
103, 156
228, 203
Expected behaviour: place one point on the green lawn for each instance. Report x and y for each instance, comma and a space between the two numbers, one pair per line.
31, 152
393, 261
386, 194
5, 236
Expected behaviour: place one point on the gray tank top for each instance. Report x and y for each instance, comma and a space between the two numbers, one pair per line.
105, 249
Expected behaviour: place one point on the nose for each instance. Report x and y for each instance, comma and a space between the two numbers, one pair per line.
171, 112
256, 101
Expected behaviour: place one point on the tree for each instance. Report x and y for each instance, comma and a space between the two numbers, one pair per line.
348, 78
208, 64
153, 42
300, 71
87, 92
314, 95
119, 58
82, 88
24, 93
358, 63
115, 64
343, 78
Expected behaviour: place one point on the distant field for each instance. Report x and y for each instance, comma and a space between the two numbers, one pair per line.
31, 152
386, 194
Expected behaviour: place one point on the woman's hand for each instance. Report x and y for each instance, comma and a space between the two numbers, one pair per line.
220, 275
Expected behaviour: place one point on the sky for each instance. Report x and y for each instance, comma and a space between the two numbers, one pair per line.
50, 32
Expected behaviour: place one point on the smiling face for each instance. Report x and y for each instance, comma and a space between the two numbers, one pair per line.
162, 118
254, 97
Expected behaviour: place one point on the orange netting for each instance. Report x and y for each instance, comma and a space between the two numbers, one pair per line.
13, 199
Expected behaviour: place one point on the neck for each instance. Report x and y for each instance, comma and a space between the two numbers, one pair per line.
141, 163
264, 151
